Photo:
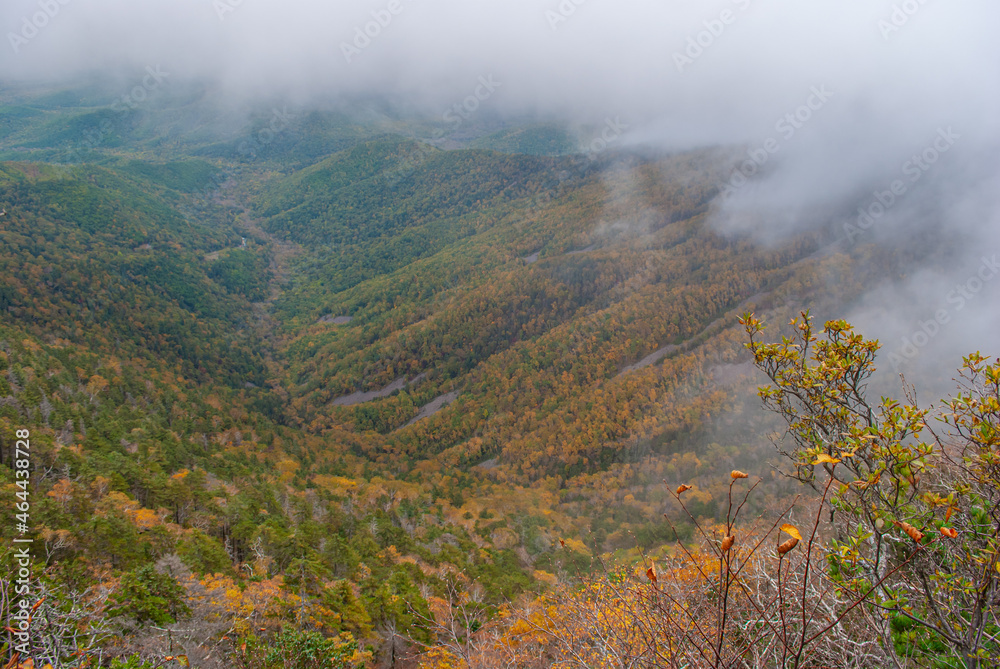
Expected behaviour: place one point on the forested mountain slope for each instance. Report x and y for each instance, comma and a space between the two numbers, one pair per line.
317, 379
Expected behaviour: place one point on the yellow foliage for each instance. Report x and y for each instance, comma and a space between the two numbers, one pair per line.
145, 519
439, 658
391, 553
114, 365
335, 484
577, 546
791, 530
99, 487
545, 577
118, 502
97, 384
260, 601
60, 538
287, 469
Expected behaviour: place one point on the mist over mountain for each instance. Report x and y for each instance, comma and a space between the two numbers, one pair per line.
890, 77
311, 307
891, 85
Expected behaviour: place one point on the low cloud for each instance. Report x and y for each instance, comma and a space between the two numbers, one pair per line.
682, 74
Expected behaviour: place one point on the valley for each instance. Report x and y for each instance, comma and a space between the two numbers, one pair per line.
326, 380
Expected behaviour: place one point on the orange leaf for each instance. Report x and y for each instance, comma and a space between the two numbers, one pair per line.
651, 574
792, 531
787, 546
949, 532
913, 532
737, 474
684, 488
727, 543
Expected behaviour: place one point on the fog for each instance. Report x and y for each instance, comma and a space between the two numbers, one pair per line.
831, 101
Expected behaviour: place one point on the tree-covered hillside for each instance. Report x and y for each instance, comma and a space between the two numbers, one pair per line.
304, 388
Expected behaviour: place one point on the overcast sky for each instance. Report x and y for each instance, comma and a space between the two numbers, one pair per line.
869, 84
598, 56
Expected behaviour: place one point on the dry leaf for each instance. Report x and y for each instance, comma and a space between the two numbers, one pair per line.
651, 574
913, 532
792, 531
737, 474
950, 532
684, 488
787, 546
727, 543
823, 458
